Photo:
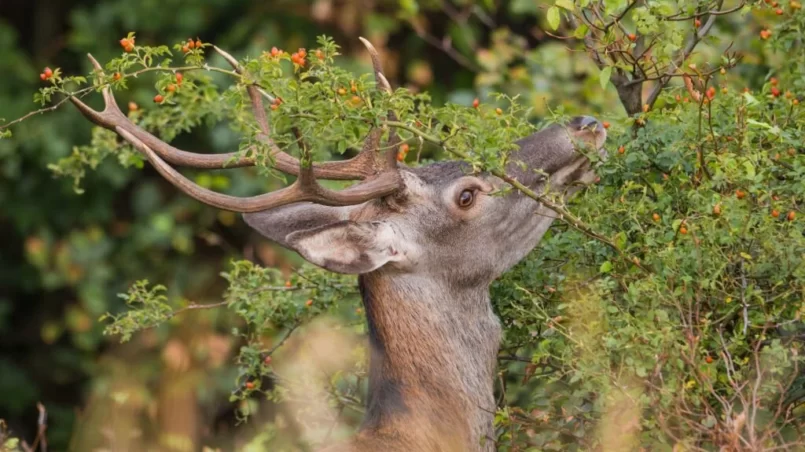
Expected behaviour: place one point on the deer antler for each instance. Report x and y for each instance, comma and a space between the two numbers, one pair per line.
378, 172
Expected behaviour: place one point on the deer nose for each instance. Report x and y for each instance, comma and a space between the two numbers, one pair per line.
586, 123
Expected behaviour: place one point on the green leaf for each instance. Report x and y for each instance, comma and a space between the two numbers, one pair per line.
606, 267
553, 17
566, 4
604, 76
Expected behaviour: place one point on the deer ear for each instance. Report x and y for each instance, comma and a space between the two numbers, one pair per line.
324, 236
347, 246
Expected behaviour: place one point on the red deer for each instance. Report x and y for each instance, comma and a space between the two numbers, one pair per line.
426, 243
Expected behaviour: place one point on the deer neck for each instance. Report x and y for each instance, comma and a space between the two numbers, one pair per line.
433, 358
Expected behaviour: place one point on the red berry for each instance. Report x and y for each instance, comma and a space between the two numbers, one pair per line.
309, 303
48, 72
158, 98
275, 51
791, 216
605, 124
697, 23
476, 103
708, 359
43, 77
775, 91
779, 12
267, 360
765, 34
179, 78
632, 37
249, 385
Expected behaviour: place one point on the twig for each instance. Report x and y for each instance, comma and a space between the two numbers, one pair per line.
682, 56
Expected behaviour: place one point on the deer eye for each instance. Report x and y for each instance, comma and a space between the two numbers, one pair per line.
465, 198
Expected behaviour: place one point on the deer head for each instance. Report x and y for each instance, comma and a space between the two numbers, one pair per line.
427, 243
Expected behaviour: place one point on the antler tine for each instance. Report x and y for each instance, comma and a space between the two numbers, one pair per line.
376, 65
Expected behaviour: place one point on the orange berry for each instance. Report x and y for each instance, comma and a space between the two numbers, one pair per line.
124, 43
605, 124
779, 11
632, 37
287, 283
116, 76
185, 48
795, 101
320, 55
190, 44
42, 76
765, 34
133, 106
740, 194
775, 213
774, 4
48, 72
683, 230
400, 156
717, 209
711, 92
697, 23
275, 51
708, 359
356, 100
404, 148
179, 78
171, 88
309, 303
791, 215
129, 48
159, 98
656, 216
773, 81
499, 111
198, 44
621, 149
678, 98
275, 107
249, 385
342, 92
358, 311
352, 87
267, 360
476, 103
